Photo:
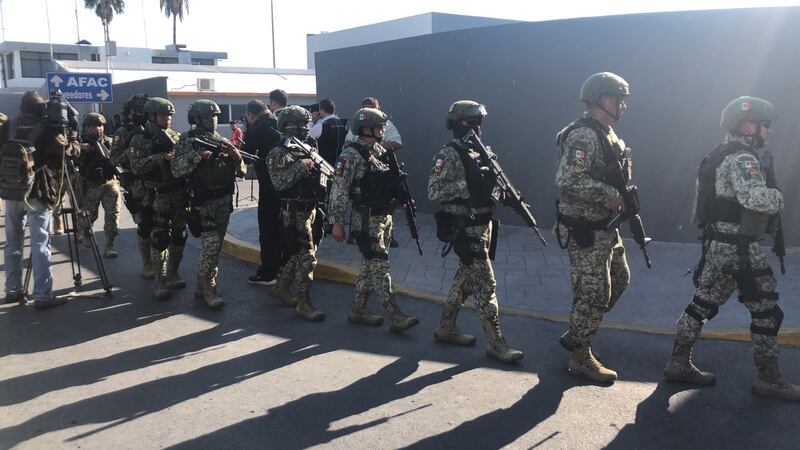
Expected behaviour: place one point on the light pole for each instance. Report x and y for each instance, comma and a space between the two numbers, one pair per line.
272, 26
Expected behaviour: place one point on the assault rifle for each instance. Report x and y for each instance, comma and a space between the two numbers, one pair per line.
512, 197
776, 223
404, 195
215, 145
319, 162
614, 176
105, 155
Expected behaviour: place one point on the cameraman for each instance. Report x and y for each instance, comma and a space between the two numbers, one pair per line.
99, 182
52, 147
259, 139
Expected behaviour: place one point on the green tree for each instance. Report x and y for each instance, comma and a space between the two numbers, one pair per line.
105, 10
175, 9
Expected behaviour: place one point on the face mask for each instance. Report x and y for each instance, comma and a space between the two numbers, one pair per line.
208, 123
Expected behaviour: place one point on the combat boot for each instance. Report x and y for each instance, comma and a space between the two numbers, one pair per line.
399, 321
448, 331
769, 383
496, 345
174, 280
58, 224
110, 252
360, 314
681, 368
210, 296
145, 250
306, 310
583, 364
199, 289
281, 292
162, 290
86, 240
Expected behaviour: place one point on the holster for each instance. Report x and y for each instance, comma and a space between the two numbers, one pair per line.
194, 222
318, 228
445, 230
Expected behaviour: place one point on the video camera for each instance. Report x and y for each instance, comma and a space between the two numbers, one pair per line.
59, 113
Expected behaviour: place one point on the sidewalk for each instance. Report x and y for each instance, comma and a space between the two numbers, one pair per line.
533, 280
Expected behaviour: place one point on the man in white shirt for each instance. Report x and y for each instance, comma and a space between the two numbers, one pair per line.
391, 137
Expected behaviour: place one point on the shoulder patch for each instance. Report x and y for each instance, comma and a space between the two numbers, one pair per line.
438, 166
578, 156
750, 169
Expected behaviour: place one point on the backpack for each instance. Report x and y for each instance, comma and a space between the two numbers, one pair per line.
16, 169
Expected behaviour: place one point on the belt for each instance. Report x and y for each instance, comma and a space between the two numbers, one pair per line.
373, 210
581, 222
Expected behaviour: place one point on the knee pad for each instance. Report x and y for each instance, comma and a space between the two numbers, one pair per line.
161, 239
179, 239
775, 313
697, 308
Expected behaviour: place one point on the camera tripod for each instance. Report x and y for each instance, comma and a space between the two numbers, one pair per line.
71, 217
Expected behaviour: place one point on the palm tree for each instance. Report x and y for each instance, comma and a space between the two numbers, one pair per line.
105, 10
175, 8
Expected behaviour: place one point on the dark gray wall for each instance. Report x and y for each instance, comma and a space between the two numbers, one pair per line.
683, 68
154, 87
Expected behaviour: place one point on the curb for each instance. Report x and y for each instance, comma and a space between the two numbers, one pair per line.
341, 273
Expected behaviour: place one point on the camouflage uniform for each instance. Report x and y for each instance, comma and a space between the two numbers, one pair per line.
217, 176
95, 192
294, 182
372, 228
448, 186
168, 235
599, 272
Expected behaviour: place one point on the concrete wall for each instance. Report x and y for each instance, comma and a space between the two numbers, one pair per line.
683, 68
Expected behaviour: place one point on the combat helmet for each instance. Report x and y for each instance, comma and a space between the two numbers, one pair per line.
292, 114
94, 120
367, 117
156, 105
746, 108
465, 110
135, 105
202, 108
603, 83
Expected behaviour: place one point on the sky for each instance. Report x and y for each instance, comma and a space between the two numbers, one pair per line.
242, 27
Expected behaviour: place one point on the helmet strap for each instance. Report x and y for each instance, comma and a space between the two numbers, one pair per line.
371, 134
612, 115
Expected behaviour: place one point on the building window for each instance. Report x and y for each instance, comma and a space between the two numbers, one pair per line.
10, 65
164, 60
35, 64
94, 57
225, 116
65, 56
238, 112
202, 62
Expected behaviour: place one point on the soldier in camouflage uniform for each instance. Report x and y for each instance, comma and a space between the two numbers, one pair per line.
462, 185
598, 267
361, 176
152, 153
212, 182
99, 183
137, 198
733, 206
300, 187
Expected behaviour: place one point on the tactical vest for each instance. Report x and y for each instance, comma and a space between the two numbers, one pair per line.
93, 167
379, 186
610, 156
331, 140
307, 188
162, 174
710, 208
215, 177
479, 183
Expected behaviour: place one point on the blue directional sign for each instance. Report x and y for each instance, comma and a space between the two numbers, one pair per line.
82, 87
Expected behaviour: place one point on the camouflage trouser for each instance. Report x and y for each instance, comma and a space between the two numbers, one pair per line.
139, 197
375, 274
169, 225
297, 231
477, 277
599, 276
107, 194
717, 282
214, 217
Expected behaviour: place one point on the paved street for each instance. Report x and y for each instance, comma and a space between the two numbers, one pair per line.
131, 372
